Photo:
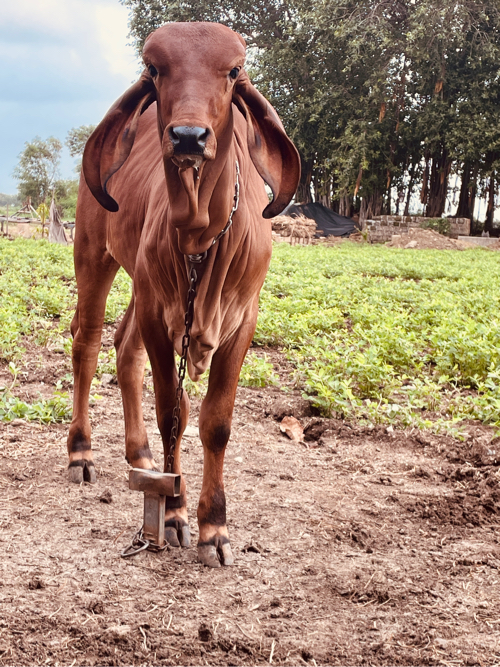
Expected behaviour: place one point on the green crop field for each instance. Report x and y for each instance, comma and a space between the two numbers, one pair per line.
409, 337
402, 337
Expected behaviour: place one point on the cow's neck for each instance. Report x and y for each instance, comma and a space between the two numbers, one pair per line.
200, 203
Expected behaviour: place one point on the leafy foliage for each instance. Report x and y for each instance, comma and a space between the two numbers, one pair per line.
66, 194
381, 95
257, 372
38, 276
8, 200
55, 409
76, 139
386, 335
37, 169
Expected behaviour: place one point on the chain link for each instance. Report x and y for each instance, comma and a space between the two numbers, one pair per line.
197, 259
188, 323
140, 543
236, 201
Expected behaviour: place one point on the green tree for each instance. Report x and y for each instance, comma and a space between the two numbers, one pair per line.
65, 194
37, 169
378, 95
76, 139
8, 200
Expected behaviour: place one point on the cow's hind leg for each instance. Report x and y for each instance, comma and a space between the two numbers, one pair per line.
94, 279
165, 378
130, 361
215, 428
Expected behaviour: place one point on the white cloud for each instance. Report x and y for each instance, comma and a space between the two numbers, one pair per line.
64, 62
112, 25
43, 17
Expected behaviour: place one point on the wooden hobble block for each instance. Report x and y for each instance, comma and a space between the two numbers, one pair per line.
156, 487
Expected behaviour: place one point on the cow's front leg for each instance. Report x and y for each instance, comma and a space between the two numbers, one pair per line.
94, 277
165, 379
130, 361
215, 428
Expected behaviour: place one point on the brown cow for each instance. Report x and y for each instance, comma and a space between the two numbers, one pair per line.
212, 122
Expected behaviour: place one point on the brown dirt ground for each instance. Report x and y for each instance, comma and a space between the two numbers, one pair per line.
422, 239
359, 546
26, 230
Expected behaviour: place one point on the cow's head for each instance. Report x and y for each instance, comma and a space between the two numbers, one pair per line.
194, 71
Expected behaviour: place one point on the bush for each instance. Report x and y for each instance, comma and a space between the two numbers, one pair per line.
440, 225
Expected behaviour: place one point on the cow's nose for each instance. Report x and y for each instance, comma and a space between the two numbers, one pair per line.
189, 140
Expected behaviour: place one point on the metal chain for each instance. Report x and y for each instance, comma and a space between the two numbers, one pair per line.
197, 259
140, 543
236, 201
188, 323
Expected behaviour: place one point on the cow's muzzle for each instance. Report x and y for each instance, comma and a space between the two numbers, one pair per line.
188, 145
189, 140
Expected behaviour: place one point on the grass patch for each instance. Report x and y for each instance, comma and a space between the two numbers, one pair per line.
38, 288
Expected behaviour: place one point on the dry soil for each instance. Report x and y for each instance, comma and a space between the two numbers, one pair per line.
357, 546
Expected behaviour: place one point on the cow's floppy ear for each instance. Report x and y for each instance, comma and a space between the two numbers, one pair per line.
111, 142
273, 154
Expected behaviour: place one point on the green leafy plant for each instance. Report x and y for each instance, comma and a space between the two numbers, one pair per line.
54, 409
38, 278
257, 371
440, 225
106, 362
381, 335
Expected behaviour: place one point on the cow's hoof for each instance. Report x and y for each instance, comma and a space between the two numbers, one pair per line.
177, 533
144, 462
82, 471
215, 553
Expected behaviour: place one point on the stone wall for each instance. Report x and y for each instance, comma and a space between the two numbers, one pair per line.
381, 228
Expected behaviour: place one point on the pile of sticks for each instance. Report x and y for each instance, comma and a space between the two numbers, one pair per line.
299, 230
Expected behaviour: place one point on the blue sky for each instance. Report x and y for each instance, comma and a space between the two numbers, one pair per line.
64, 62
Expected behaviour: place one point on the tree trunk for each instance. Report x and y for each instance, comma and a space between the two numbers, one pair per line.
438, 186
322, 189
324, 199
303, 195
370, 206
377, 203
388, 202
335, 205
345, 206
473, 189
468, 187
424, 192
410, 189
490, 210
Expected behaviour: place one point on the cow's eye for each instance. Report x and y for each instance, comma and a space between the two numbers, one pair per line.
152, 70
234, 72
